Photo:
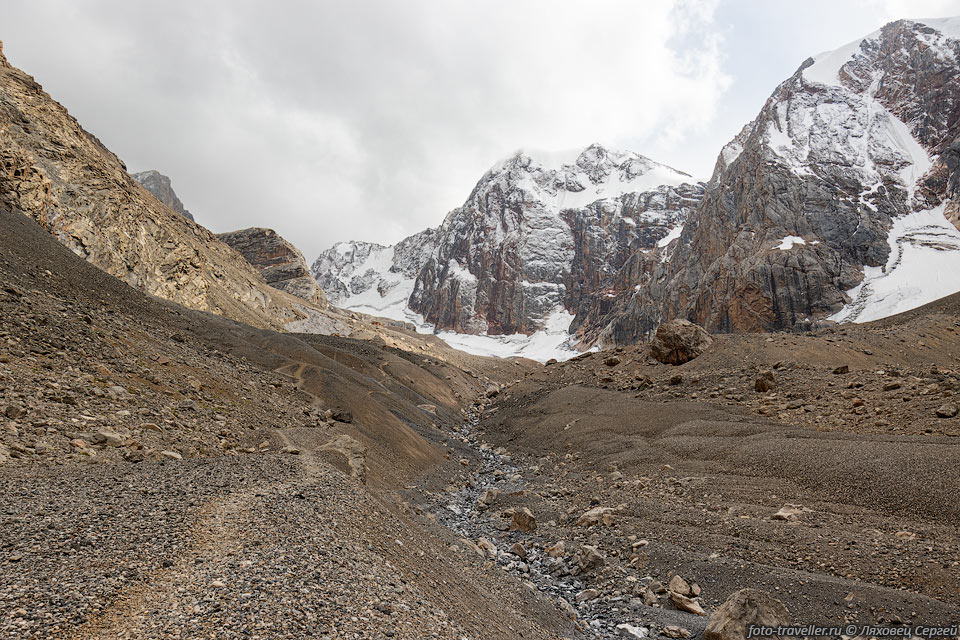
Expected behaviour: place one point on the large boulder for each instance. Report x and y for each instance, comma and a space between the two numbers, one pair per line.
741, 610
679, 341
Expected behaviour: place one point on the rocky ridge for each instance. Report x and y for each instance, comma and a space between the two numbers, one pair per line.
60, 175
279, 262
159, 185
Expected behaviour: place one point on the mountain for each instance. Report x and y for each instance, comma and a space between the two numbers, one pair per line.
67, 180
159, 185
373, 278
539, 234
839, 200
280, 263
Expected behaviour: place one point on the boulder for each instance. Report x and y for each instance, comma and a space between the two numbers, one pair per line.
523, 520
679, 341
742, 609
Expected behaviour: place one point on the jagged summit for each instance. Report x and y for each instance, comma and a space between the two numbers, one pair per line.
159, 185
574, 178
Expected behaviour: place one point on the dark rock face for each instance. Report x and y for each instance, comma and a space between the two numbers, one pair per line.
540, 234
280, 263
679, 341
837, 153
159, 185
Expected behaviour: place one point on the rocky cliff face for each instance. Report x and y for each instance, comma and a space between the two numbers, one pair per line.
281, 264
831, 201
63, 177
542, 232
159, 185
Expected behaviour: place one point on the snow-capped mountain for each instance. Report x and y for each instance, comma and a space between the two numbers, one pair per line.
831, 202
539, 232
373, 278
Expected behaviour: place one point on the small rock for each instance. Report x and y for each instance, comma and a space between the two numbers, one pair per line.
568, 610
765, 382
291, 451
595, 516
787, 512
589, 557
588, 594
683, 603
841, 370
673, 631
556, 550
741, 610
523, 520
172, 455
948, 410
679, 585
487, 547
518, 550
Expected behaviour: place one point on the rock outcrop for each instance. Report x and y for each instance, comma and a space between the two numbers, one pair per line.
831, 201
57, 173
159, 185
281, 264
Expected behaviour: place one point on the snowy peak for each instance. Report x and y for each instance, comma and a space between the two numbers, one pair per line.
839, 67
576, 178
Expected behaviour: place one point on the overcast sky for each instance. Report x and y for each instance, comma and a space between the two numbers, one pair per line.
369, 120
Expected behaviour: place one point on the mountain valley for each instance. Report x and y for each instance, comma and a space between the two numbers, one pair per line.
678, 407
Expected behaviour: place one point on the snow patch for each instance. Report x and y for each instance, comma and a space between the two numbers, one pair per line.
670, 237
788, 242
922, 267
553, 341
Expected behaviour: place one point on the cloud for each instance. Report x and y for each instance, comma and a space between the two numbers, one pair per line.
369, 120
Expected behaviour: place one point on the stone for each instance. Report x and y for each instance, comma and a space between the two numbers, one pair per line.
492, 391
787, 512
841, 370
596, 515
109, 439
634, 632
679, 341
742, 609
678, 585
487, 547
291, 450
14, 411
948, 410
556, 550
568, 609
171, 455
488, 497
523, 520
765, 382
612, 361
673, 631
588, 594
589, 557
518, 550
683, 603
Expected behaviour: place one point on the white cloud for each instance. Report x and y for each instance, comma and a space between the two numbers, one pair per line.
337, 120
